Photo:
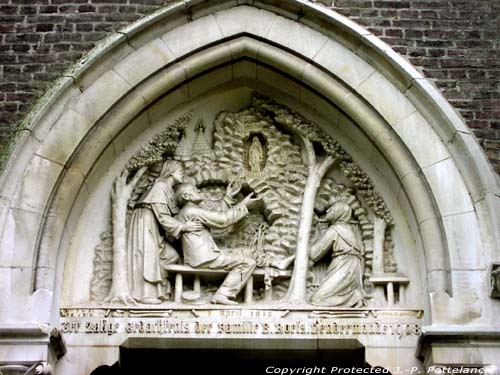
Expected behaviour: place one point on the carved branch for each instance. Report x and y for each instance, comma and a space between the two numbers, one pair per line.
325, 166
309, 151
40, 368
43, 368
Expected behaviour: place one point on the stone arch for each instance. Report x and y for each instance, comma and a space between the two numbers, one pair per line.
337, 94
343, 65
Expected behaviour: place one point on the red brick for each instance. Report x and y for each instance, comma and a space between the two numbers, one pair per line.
394, 33
50, 9
87, 8
21, 48
9, 9
86, 27
28, 10
392, 4
44, 27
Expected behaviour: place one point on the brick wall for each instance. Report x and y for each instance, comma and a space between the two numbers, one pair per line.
39, 39
456, 43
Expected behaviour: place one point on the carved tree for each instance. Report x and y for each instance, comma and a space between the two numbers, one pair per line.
120, 195
309, 135
317, 170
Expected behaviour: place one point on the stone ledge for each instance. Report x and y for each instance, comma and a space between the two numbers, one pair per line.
453, 336
37, 339
19, 331
229, 343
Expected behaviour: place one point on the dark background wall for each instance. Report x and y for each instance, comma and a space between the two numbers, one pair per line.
455, 43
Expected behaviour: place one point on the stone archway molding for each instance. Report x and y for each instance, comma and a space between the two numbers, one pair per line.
80, 161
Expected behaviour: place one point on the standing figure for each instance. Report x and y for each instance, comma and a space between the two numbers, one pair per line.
343, 283
255, 155
200, 249
147, 249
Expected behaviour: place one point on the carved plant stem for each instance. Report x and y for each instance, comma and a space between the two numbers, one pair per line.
120, 196
297, 290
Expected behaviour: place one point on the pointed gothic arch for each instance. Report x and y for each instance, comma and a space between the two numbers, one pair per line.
314, 58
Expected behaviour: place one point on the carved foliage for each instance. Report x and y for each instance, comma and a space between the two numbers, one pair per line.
365, 188
163, 143
103, 261
280, 184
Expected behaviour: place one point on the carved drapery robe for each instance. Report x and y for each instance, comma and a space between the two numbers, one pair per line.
200, 249
147, 249
343, 283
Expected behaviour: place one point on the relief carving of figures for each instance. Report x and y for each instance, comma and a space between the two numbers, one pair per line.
148, 249
188, 214
200, 249
343, 283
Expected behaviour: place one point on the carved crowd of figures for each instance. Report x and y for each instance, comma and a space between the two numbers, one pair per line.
174, 207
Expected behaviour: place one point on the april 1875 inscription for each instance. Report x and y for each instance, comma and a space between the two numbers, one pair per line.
244, 323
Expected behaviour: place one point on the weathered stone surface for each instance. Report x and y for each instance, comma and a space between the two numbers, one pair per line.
451, 195
146, 60
298, 172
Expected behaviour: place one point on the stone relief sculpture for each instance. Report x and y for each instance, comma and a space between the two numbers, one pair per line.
286, 188
147, 249
123, 195
200, 249
255, 155
343, 284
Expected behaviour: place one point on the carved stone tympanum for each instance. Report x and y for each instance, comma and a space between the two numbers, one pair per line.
258, 210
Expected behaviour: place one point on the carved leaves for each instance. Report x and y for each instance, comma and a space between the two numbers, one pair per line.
103, 268
306, 129
162, 144
365, 188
